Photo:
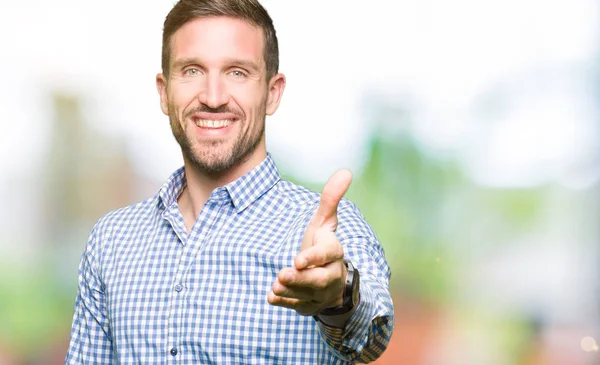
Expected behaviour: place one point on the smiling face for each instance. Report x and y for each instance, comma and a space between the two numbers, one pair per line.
217, 94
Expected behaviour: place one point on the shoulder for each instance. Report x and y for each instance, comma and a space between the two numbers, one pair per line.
297, 195
121, 219
129, 215
351, 222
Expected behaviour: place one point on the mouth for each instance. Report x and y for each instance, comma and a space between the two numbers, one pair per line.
212, 124
212, 121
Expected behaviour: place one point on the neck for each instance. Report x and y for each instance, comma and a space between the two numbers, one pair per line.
200, 184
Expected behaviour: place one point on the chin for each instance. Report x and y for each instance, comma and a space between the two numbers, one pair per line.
212, 163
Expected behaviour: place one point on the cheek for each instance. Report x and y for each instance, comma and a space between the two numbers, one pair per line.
250, 98
182, 95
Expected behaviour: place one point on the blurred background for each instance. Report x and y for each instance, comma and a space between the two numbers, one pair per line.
472, 128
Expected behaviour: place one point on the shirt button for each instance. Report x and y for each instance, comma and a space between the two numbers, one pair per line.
173, 351
178, 287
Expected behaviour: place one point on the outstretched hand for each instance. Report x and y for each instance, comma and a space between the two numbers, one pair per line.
317, 279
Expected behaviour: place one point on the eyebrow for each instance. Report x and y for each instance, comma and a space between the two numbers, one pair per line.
232, 62
250, 65
182, 62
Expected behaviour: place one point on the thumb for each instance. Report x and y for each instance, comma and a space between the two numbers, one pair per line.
326, 214
331, 196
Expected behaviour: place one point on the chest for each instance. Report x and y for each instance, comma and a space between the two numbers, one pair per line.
161, 290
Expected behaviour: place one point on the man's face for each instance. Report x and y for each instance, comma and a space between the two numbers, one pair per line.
217, 94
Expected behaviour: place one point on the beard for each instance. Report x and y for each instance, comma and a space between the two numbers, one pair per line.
217, 156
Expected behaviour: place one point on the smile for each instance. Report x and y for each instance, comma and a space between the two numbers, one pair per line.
205, 123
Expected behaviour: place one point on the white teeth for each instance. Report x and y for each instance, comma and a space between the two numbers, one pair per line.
204, 123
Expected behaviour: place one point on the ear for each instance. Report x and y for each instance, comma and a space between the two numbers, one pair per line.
276, 86
161, 87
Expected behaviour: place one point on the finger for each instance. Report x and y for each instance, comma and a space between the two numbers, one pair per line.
334, 190
327, 248
319, 278
298, 292
305, 308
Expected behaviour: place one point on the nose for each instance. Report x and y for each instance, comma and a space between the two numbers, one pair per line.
214, 93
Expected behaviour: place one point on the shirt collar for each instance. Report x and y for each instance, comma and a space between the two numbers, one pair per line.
242, 191
248, 188
171, 189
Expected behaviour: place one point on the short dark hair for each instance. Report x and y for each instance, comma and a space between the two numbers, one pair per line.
250, 11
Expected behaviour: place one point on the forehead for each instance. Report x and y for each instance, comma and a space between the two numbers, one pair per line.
216, 38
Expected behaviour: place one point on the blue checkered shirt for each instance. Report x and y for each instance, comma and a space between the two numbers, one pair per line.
152, 293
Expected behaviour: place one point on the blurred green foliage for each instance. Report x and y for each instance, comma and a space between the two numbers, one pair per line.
35, 306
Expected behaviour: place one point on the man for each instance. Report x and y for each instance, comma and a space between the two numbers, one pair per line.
228, 263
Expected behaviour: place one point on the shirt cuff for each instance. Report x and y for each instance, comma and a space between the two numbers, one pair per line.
346, 342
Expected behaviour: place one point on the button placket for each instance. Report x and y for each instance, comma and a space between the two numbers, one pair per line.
196, 240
